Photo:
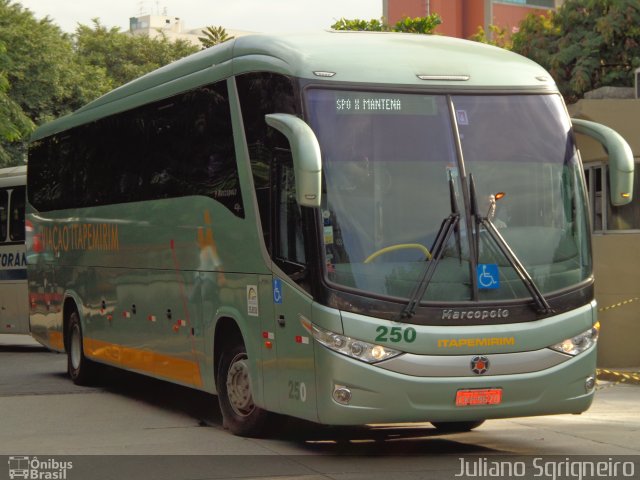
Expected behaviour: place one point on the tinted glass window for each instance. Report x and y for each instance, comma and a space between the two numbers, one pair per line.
260, 94
176, 147
4, 214
16, 215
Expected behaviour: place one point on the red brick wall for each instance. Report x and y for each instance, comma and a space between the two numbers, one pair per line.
397, 9
460, 18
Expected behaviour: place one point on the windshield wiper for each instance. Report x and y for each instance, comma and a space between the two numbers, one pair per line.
448, 226
503, 246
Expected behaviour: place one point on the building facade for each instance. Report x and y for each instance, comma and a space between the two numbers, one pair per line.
171, 27
462, 18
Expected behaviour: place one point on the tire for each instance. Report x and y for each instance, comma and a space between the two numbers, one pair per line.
239, 414
80, 368
457, 427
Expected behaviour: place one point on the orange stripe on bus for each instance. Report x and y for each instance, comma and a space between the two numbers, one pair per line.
55, 340
181, 370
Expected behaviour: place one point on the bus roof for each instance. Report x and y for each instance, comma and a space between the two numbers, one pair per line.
362, 57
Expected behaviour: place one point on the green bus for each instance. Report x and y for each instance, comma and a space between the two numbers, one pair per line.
348, 228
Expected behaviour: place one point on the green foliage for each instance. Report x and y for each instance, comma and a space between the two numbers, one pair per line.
499, 37
45, 73
125, 57
424, 25
372, 25
213, 36
14, 124
38, 74
585, 45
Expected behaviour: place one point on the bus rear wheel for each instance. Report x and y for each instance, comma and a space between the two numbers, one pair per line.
79, 367
239, 413
457, 427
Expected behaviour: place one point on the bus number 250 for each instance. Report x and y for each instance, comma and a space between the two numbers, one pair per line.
395, 334
297, 390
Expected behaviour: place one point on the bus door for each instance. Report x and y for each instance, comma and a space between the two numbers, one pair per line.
296, 377
14, 314
292, 304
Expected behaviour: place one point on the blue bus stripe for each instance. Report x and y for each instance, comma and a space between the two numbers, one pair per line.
17, 274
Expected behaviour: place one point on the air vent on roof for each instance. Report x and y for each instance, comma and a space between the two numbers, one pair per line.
449, 78
324, 74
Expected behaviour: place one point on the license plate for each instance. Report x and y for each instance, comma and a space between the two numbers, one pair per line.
487, 396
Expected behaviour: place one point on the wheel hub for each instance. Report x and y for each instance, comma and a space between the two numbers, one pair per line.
239, 387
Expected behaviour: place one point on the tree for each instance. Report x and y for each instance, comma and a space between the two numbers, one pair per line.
14, 124
213, 36
45, 73
372, 25
499, 37
40, 76
586, 44
423, 25
124, 57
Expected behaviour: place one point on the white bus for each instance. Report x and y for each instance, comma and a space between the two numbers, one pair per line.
14, 314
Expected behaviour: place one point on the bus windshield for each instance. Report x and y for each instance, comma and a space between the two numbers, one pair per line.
398, 165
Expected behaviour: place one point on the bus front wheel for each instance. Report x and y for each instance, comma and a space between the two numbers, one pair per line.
240, 415
79, 367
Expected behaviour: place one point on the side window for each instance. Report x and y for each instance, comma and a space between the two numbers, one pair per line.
172, 148
16, 215
289, 242
260, 94
4, 214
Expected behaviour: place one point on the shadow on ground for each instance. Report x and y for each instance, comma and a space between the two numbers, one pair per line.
393, 440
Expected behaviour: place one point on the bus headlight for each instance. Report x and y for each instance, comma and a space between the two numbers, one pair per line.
579, 343
364, 351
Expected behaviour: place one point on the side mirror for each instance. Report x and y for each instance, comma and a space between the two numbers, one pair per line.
305, 152
621, 162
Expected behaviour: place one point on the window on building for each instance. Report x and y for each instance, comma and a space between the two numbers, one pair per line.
531, 3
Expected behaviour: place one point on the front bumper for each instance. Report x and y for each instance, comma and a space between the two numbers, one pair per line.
383, 396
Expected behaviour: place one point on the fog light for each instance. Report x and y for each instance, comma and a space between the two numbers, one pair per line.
341, 394
590, 383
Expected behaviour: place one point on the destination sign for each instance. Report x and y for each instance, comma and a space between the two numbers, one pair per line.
367, 103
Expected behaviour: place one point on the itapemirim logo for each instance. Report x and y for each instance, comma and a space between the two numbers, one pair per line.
36, 469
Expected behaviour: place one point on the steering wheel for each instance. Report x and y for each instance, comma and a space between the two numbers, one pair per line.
399, 246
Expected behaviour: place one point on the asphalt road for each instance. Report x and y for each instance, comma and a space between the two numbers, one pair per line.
130, 426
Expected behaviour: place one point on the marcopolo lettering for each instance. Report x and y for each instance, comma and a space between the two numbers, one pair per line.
498, 313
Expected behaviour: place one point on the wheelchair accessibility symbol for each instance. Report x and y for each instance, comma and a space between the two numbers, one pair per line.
277, 291
488, 276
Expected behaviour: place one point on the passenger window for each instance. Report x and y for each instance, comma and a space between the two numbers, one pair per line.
16, 219
4, 214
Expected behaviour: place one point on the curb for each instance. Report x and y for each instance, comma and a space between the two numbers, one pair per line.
618, 377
